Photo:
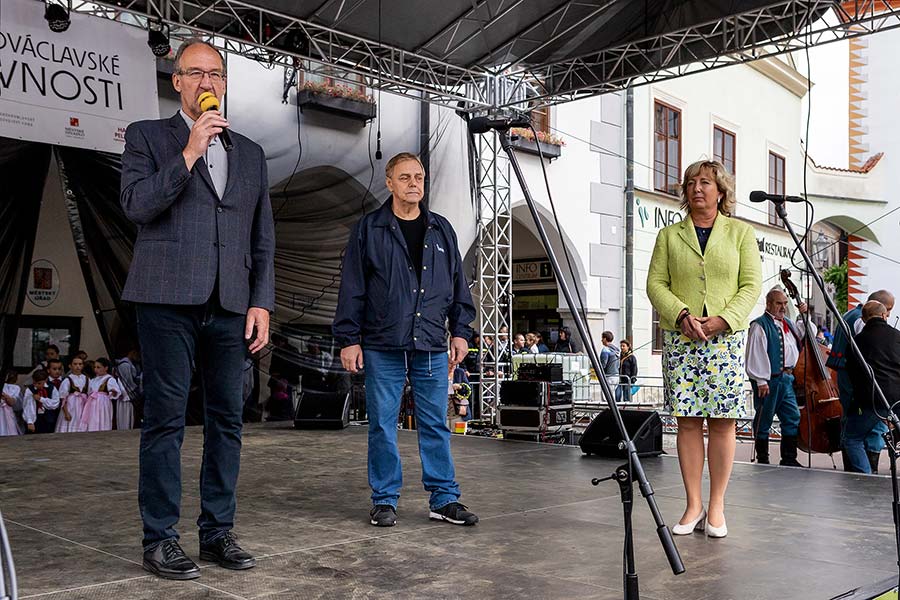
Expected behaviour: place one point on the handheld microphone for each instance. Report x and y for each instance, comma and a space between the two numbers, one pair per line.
761, 196
208, 101
485, 124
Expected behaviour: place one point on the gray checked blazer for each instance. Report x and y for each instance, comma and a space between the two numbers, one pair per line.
187, 236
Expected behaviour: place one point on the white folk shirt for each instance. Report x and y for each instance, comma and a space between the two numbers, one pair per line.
758, 367
112, 386
66, 388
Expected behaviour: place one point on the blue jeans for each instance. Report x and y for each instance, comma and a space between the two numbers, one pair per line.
779, 401
859, 426
386, 373
622, 390
175, 339
873, 442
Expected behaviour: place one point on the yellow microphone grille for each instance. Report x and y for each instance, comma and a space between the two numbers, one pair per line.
208, 101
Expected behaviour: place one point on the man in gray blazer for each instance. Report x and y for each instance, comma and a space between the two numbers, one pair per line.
202, 279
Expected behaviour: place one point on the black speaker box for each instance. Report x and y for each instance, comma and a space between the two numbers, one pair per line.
534, 418
322, 410
540, 371
535, 393
602, 436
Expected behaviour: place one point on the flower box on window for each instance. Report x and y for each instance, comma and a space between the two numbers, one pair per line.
547, 144
338, 100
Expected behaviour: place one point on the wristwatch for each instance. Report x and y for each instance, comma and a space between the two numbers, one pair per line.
682, 316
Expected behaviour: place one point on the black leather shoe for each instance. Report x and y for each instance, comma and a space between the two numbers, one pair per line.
225, 551
169, 561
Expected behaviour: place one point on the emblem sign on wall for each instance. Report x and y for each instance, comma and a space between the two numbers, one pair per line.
43, 285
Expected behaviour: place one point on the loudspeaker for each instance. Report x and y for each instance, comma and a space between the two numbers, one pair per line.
540, 372
526, 418
322, 410
535, 393
602, 436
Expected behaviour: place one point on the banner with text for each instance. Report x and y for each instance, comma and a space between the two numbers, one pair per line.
79, 88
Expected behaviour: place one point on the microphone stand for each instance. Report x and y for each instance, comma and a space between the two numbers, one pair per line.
893, 447
627, 473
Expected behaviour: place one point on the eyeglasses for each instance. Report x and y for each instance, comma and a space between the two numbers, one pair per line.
197, 75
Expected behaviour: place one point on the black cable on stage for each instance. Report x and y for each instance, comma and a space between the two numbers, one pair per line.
810, 209
284, 189
581, 307
362, 207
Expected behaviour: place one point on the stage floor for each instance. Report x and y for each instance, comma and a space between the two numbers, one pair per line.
71, 511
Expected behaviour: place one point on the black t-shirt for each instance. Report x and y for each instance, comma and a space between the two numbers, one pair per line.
414, 234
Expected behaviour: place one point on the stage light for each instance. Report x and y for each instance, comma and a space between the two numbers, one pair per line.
158, 39
296, 42
57, 16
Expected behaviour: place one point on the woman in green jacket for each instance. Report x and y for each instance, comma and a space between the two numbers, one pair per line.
704, 279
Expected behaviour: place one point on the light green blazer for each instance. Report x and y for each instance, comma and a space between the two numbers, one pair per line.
727, 279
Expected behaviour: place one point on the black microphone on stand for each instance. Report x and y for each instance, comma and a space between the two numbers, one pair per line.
208, 101
761, 196
485, 124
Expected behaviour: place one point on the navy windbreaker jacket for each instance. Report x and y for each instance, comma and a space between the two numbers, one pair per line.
383, 306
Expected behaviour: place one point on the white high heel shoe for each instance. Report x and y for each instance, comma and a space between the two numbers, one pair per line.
697, 524
716, 532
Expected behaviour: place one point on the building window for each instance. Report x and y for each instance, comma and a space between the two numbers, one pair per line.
657, 333
723, 147
667, 149
540, 119
776, 185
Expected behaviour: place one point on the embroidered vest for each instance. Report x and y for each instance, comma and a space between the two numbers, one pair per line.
775, 341
74, 388
43, 393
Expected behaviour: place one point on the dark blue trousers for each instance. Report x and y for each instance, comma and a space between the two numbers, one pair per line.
175, 340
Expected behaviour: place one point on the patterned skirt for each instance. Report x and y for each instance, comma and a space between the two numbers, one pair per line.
704, 379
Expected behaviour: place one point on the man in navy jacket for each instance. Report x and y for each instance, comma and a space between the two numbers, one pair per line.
402, 285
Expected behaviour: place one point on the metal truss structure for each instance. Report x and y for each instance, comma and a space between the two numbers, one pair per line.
429, 72
780, 28
515, 71
494, 263
280, 40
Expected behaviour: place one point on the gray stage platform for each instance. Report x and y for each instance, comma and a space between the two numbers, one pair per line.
545, 532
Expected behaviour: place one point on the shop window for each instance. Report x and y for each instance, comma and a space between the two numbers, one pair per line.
776, 185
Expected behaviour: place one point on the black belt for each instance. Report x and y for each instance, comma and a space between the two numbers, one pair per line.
789, 371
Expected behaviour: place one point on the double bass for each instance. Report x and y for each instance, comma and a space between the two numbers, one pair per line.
817, 393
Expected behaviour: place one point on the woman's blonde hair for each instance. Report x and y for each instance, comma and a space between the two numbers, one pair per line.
724, 181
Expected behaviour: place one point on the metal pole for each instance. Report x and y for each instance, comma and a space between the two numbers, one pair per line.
629, 214
665, 536
879, 393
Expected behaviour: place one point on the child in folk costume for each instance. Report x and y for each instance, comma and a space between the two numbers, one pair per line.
73, 392
54, 379
8, 401
97, 413
38, 399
